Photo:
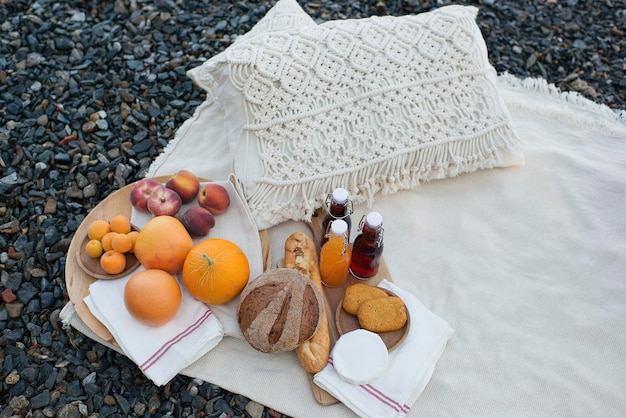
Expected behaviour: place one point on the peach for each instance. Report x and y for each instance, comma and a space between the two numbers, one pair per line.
164, 201
198, 221
141, 191
185, 183
214, 198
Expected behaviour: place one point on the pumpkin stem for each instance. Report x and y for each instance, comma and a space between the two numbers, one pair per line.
209, 260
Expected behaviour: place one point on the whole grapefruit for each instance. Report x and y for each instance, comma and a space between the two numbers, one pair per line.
163, 243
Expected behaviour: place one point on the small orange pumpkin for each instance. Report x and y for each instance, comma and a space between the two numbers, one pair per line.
215, 271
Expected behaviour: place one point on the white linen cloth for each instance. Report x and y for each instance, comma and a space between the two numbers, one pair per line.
410, 366
526, 264
162, 352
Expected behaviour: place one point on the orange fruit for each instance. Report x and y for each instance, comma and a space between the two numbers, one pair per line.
94, 248
113, 262
133, 238
122, 243
152, 297
163, 243
107, 241
216, 271
97, 229
120, 224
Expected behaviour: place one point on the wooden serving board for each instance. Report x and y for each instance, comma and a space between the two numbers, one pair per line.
333, 297
77, 280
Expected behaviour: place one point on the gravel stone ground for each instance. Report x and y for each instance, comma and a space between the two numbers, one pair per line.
91, 91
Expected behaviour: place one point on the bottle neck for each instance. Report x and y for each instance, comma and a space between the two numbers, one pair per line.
338, 210
371, 233
337, 237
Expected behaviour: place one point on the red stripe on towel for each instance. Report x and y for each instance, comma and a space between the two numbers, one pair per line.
396, 406
169, 344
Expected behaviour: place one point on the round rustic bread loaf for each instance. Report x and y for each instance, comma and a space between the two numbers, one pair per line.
279, 310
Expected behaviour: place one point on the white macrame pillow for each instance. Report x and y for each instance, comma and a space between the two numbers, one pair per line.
373, 105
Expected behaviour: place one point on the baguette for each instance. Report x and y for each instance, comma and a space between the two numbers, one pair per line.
301, 255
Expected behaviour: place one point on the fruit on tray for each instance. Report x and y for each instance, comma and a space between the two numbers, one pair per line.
120, 224
153, 297
215, 271
122, 243
181, 188
164, 201
133, 236
198, 221
94, 248
141, 191
214, 198
185, 183
109, 241
97, 229
163, 243
113, 262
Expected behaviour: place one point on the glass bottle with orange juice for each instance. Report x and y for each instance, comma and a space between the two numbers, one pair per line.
335, 255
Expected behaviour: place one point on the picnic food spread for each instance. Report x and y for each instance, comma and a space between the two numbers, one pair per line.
287, 308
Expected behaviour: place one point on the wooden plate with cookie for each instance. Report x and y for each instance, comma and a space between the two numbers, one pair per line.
347, 322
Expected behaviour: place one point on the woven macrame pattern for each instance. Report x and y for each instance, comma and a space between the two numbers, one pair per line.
373, 105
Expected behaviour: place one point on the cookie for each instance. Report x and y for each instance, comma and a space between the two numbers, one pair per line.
382, 314
358, 293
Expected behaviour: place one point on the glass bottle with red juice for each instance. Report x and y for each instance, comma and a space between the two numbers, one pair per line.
338, 206
367, 249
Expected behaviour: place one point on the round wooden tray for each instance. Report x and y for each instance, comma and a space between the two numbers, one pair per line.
347, 322
78, 280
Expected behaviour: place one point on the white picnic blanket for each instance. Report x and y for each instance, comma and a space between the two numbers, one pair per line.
527, 265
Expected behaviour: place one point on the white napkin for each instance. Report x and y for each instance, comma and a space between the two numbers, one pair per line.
160, 352
411, 366
164, 351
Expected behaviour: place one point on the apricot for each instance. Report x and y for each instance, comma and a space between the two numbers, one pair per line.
97, 229
113, 262
122, 243
120, 224
94, 248
107, 241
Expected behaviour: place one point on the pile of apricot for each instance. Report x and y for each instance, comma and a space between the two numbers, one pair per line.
109, 241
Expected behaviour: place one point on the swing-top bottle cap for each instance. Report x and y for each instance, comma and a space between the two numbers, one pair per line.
338, 227
374, 219
340, 195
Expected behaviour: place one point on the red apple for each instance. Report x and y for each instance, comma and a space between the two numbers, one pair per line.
214, 198
164, 201
140, 193
185, 183
198, 221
